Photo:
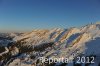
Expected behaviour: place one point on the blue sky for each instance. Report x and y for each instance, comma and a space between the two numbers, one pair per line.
26, 15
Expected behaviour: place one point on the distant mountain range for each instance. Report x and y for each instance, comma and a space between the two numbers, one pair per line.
24, 49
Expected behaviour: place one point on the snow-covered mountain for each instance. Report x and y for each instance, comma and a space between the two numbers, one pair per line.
52, 43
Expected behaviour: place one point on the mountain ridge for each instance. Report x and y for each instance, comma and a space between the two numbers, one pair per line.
55, 43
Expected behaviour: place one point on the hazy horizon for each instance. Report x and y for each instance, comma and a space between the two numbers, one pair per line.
27, 15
